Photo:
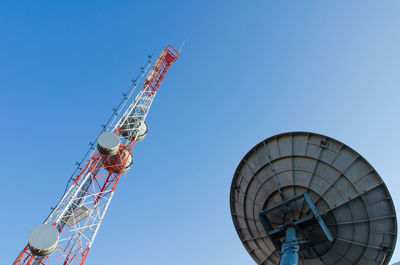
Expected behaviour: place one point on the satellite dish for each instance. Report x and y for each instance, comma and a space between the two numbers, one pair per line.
309, 195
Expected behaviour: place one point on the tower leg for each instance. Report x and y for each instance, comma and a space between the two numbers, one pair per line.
290, 249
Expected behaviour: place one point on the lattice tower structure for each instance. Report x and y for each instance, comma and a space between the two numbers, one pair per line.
80, 212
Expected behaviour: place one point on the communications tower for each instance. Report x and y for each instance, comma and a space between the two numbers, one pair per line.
67, 234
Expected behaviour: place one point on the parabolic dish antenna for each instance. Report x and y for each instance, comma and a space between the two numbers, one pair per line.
312, 196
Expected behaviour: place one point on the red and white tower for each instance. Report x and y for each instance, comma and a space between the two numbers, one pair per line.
67, 234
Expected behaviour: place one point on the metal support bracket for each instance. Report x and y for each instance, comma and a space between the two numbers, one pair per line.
275, 234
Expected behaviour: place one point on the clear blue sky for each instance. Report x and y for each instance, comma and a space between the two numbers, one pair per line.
249, 70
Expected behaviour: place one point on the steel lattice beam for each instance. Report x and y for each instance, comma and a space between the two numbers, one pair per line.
81, 210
